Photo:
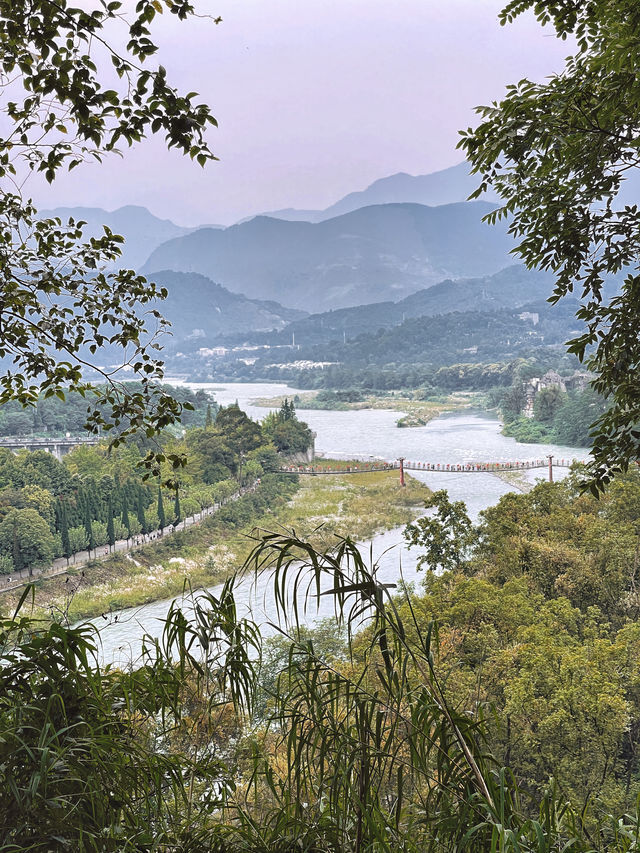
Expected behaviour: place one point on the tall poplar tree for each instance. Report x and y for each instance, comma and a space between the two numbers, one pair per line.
161, 516
140, 512
176, 508
88, 527
111, 531
64, 532
125, 514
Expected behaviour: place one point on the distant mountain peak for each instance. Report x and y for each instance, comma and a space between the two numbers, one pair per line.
446, 186
143, 232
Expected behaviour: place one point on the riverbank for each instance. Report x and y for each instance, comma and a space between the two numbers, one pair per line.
415, 412
319, 508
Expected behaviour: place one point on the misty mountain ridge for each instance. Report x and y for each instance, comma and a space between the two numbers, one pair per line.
142, 231
201, 311
447, 186
511, 288
372, 254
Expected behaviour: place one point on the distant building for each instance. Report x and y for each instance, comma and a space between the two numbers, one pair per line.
530, 316
552, 379
205, 352
305, 365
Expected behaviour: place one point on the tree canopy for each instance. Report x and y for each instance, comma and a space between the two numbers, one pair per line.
558, 153
76, 84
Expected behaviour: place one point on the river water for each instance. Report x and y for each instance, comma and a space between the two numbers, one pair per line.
454, 438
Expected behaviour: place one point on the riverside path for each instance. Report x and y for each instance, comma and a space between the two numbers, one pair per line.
62, 566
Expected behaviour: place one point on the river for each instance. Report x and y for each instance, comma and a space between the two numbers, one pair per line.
453, 438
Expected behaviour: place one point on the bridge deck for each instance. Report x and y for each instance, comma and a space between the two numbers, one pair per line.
39, 441
442, 467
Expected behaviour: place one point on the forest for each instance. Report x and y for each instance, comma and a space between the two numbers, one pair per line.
55, 416
95, 496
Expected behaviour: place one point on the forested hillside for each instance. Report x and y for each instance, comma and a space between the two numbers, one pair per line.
371, 254
203, 313
511, 287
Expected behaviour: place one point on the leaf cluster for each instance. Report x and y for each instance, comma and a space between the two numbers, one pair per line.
557, 153
60, 306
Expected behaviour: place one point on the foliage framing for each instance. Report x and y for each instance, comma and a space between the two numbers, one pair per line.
58, 304
557, 154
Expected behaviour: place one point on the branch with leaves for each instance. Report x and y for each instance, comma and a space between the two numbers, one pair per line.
557, 154
61, 300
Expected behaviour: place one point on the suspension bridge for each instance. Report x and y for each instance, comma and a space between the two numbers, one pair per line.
402, 465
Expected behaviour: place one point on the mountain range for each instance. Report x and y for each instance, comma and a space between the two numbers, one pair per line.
194, 326
372, 254
143, 232
511, 288
446, 186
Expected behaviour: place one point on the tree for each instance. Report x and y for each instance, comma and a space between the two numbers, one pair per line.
41, 500
162, 520
88, 528
125, 514
572, 422
238, 430
25, 536
60, 304
557, 153
177, 513
64, 532
446, 536
548, 402
111, 530
288, 434
142, 520
211, 456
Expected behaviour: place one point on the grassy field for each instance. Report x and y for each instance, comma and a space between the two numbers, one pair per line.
419, 411
358, 505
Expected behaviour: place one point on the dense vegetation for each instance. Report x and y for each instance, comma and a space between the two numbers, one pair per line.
55, 416
421, 351
94, 497
559, 416
537, 611
519, 652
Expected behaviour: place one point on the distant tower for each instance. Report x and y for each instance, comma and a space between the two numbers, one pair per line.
293, 339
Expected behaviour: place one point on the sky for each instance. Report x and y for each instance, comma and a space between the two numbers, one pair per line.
315, 99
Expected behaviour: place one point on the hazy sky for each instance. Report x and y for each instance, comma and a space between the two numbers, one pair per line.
315, 99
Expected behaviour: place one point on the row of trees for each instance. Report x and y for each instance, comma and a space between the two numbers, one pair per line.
55, 416
94, 498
